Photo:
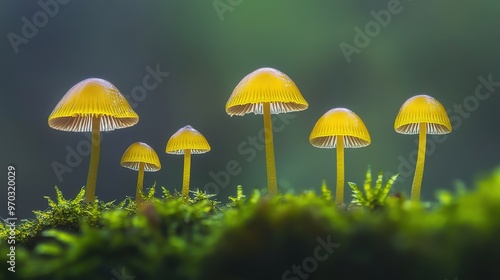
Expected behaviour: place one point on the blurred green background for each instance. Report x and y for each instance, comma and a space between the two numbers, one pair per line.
207, 47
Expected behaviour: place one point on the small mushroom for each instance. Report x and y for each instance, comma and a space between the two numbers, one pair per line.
422, 115
140, 157
266, 91
339, 128
187, 141
92, 105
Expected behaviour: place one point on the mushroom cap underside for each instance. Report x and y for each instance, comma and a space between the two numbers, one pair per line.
422, 109
339, 122
187, 138
138, 153
265, 85
91, 98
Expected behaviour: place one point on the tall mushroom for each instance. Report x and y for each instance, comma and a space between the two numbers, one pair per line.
92, 105
266, 91
422, 115
140, 157
187, 141
339, 128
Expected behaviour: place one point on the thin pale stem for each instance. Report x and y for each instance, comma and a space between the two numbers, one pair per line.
94, 160
270, 165
187, 173
339, 195
419, 169
140, 184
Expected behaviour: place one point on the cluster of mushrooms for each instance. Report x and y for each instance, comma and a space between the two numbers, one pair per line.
95, 105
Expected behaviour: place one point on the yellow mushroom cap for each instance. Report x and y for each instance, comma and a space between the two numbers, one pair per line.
89, 98
265, 85
141, 153
339, 122
187, 138
422, 109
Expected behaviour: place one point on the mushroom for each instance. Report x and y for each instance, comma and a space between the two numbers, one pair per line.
140, 157
422, 115
266, 91
92, 105
187, 141
339, 128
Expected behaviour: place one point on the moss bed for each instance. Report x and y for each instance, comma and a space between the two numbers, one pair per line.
255, 236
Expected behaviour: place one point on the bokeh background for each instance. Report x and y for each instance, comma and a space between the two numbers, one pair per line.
207, 47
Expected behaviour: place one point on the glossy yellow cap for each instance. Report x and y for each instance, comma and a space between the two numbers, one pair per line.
187, 138
339, 122
422, 109
265, 85
92, 98
141, 153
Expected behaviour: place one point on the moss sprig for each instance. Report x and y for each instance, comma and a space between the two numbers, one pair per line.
375, 197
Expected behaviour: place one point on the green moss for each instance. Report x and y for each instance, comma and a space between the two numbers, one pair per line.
372, 198
262, 237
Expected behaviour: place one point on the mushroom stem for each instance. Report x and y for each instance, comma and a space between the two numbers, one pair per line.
94, 160
140, 184
187, 171
270, 165
339, 195
419, 169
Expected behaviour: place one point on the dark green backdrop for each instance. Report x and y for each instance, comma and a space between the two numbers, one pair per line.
394, 51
